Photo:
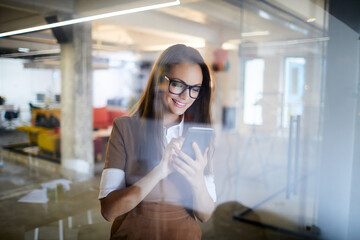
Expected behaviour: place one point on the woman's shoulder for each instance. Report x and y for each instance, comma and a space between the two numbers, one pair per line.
126, 122
122, 119
126, 127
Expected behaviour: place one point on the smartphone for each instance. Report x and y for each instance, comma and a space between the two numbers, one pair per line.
201, 136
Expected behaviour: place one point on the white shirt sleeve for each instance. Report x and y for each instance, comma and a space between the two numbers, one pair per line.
111, 179
210, 185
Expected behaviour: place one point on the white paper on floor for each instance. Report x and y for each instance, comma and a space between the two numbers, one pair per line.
53, 184
40, 195
35, 196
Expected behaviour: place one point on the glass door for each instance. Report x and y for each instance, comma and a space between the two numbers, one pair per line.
274, 156
279, 149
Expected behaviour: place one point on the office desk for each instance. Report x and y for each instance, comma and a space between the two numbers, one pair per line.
100, 139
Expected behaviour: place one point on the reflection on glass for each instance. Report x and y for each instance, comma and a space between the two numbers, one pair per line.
253, 90
288, 168
294, 88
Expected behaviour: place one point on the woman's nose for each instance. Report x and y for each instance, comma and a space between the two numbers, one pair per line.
185, 94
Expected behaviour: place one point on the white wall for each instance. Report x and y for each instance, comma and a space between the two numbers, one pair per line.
111, 83
120, 80
20, 85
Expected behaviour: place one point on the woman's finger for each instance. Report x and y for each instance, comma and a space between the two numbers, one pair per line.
206, 156
177, 142
188, 169
185, 157
181, 140
197, 151
180, 170
172, 142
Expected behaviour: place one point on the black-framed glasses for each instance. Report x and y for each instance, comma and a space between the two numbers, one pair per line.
179, 87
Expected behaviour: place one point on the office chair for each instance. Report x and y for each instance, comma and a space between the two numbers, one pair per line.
10, 116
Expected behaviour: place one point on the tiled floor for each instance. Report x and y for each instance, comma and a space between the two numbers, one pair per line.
75, 213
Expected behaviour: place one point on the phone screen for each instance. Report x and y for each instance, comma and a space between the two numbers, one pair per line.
201, 136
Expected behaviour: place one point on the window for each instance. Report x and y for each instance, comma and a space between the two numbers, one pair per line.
253, 91
294, 86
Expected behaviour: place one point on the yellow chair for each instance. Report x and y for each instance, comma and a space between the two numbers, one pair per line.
49, 142
33, 132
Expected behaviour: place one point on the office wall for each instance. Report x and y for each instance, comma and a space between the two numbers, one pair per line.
20, 85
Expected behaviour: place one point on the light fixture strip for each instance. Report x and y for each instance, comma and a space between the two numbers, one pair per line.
90, 18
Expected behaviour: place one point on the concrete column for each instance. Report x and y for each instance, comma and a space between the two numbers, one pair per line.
76, 102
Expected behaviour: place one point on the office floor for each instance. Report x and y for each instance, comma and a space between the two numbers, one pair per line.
73, 212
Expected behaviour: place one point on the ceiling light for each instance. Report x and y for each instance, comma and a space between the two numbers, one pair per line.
255, 33
264, 15
24, 50
90, 18
310, 20
229, 46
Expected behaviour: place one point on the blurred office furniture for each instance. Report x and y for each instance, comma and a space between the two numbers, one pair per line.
32, 106
103, 117
10, 116
100, 139
47, 100
118, 103
228, 118
45, 132
57, 98
48, 118
2, 111
2, 100
40, 97
102, 124
49, 141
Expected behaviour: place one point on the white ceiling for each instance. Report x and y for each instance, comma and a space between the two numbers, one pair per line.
194, 22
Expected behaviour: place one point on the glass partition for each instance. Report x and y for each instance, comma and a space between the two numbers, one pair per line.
283, 162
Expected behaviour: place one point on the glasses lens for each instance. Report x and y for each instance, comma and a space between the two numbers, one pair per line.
177, 87
194, 93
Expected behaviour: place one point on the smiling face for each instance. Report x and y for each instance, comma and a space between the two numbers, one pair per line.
176, 105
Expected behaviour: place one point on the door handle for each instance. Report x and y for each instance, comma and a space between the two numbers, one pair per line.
291, 179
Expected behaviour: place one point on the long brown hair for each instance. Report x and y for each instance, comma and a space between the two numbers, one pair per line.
150, 106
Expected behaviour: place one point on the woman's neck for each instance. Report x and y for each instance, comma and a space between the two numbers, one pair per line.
170, 119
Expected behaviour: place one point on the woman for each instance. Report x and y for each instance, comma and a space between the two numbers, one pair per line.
149, 188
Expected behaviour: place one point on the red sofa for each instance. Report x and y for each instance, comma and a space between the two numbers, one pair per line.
103, 117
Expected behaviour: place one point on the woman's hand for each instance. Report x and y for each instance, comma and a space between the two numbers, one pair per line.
191, 169
169, 156
193, 172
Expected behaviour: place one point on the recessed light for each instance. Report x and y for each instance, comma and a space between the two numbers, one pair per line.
255, 33
310, 20
264, 15
24, 50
